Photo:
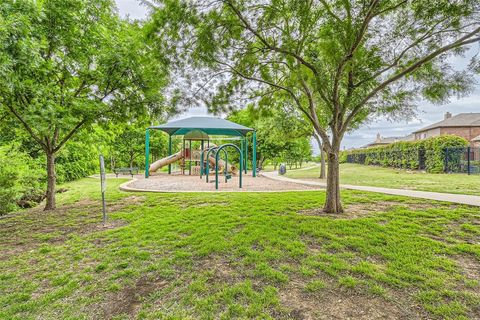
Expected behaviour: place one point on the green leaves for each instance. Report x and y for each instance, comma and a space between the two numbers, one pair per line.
75, 61
68, 64
338, 61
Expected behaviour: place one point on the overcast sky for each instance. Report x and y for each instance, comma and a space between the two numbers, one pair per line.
427, 114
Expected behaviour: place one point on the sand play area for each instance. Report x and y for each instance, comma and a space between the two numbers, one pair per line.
176, 182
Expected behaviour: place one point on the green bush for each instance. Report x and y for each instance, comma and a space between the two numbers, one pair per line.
21, 180
77, 160
435, 151
343, 156
409, 154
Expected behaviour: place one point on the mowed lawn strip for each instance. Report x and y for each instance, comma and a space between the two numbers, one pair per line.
239, 255
362, 175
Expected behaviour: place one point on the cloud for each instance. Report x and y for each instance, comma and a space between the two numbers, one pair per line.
132, 9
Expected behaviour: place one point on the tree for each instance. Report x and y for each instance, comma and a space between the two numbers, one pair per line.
339, 61
278, 130
66, 64
129, 144
297, 151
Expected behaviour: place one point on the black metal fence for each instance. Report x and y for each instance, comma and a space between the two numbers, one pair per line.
455, 160
462, 160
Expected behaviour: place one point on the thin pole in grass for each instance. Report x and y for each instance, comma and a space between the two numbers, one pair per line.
103, 183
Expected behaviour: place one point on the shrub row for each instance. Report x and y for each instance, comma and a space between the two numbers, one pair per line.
427, 154
20, 177
23, 177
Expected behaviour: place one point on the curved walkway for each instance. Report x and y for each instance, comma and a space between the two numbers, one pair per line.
448, 197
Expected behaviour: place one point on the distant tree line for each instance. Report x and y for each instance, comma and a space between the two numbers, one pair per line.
282, 137
22, 163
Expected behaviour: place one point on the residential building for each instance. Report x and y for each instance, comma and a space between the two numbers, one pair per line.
381, 141
465, 125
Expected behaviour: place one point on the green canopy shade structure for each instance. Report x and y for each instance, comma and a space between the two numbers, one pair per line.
201, 128
209, 125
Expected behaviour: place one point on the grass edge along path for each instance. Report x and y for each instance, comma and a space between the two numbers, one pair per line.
362, 175
428, 195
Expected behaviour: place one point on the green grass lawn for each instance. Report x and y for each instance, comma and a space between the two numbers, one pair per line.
239, 255
356, 174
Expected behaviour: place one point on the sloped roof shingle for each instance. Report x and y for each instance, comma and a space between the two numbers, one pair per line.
459, 120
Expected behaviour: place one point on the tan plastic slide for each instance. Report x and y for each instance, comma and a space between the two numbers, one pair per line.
177, 156
165, 161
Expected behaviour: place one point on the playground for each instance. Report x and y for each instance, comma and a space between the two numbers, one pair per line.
214, 154
177, 182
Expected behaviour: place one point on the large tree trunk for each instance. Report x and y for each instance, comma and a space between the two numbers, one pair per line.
333, 203
51, 181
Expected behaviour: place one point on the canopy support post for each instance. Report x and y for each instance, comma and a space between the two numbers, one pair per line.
242, 147
147, 152
190, 160
184, 153
201, 159
254, 155
246, 154
169, 153
217, 154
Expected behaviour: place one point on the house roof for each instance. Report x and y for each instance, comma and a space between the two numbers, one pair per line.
389, 140
477, 138
209, 125
459, 120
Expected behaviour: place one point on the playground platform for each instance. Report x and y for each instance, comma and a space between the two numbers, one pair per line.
176, 182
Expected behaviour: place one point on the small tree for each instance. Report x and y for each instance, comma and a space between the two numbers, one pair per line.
129, 143
66, 64
339, 61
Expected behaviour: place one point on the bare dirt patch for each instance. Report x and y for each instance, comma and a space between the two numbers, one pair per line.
335, 303
469, 265
222, 269
362, 209
32, 228
129, 300
126, 202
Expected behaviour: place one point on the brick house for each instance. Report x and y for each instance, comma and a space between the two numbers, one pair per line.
466, 125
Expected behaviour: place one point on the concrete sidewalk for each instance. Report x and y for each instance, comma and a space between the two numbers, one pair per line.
448, 197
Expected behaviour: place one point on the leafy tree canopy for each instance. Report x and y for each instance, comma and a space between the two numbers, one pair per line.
66, 64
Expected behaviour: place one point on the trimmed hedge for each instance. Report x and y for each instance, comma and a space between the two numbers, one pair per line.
427, 154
